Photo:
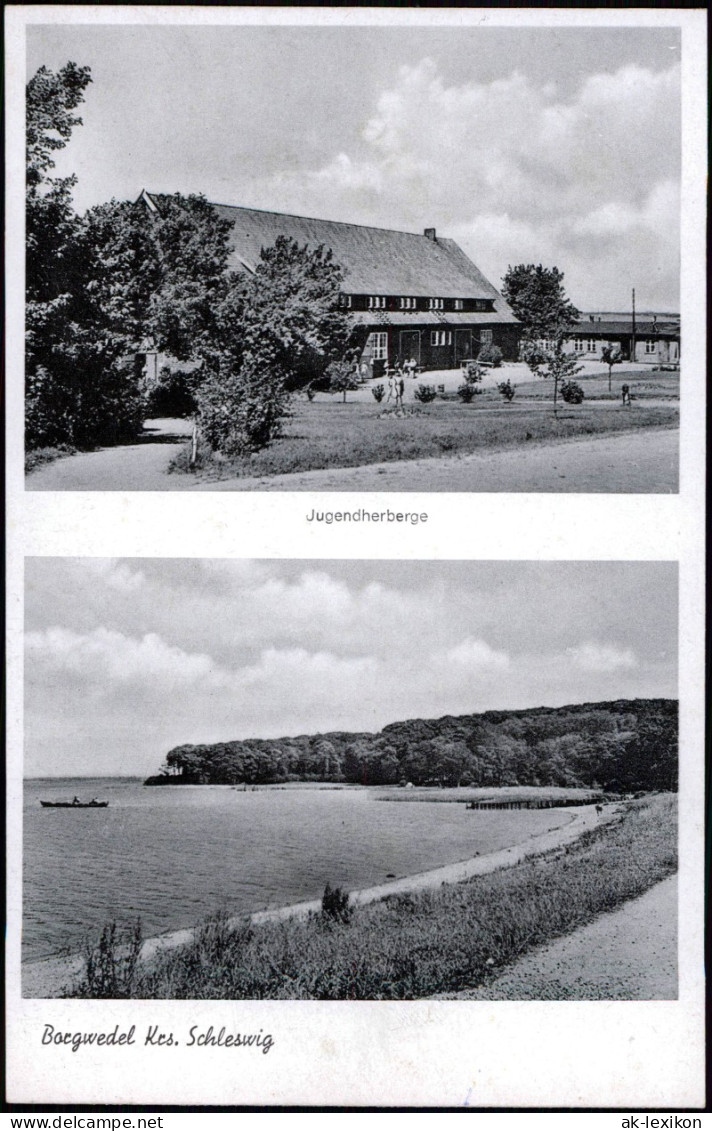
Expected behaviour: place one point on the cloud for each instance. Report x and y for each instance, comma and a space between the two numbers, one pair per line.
126, 659
474, 655
593, 657
107, 655
518, 172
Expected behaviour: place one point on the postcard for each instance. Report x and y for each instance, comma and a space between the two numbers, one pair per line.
356, 571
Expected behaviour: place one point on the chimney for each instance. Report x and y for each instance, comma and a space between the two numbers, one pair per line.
429, 234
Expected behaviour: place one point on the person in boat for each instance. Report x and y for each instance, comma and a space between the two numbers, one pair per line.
76, 801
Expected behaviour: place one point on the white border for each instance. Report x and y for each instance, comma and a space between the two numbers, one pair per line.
510, 1054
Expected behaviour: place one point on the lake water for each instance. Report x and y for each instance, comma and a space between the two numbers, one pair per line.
174, 855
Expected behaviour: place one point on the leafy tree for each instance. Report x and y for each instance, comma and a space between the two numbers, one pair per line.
292, 310
536, 295
278, 328
342, 378
611, 355
51, 271
551, 362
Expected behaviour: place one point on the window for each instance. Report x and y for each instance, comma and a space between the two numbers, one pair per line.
651, 346
436, 304
459, 304
379, 346
345, 301
592, 345
441, 337
486, 337
579, 345
407, 304
376, 302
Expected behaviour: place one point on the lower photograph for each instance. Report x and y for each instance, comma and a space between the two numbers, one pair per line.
350, 780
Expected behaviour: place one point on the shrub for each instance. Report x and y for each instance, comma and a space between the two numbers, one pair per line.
571, 392
242, 410
473, 372
111, 962
490, 354
425, 394
335, 905
467, 391
172, 394
379, 392
506, 388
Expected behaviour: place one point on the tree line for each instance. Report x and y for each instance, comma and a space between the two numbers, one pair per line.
620, 746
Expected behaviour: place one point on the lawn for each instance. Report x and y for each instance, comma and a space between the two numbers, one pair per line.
408, 946
327, 433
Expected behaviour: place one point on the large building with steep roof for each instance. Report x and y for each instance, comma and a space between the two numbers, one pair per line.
411, 296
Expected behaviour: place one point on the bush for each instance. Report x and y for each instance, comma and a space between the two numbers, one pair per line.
335, 905
425, 394
467, 391
506, 388
491, 355
173, 394
473, 372
38, 457
379, 392
241, 411
85, 400
571, 392
111, 963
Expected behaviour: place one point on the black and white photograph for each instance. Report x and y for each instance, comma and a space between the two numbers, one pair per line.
350, 781
372, 258
356, 570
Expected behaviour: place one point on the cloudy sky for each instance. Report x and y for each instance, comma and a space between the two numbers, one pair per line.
127, 658
558, 145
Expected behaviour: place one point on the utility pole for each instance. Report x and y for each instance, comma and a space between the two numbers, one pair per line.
632, 340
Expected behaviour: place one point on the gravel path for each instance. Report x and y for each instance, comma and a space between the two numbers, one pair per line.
48, 977
629, 954
635, 462
129, 467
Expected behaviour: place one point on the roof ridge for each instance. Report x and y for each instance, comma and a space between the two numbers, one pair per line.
318, 219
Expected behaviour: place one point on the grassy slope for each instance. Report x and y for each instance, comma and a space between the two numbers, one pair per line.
329, 433
413, 946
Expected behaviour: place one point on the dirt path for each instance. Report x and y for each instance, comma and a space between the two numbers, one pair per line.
132, 467
48, 977
629, 954
635, 462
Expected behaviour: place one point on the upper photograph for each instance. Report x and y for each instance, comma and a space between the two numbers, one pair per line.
338, 258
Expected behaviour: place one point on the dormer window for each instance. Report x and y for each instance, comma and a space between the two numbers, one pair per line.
459, 304
345, 302
407, 304
437, 304
376, 302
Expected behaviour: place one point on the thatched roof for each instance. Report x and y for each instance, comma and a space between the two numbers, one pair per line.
375, 261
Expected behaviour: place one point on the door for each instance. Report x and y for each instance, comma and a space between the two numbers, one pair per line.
463, 345
410, 345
